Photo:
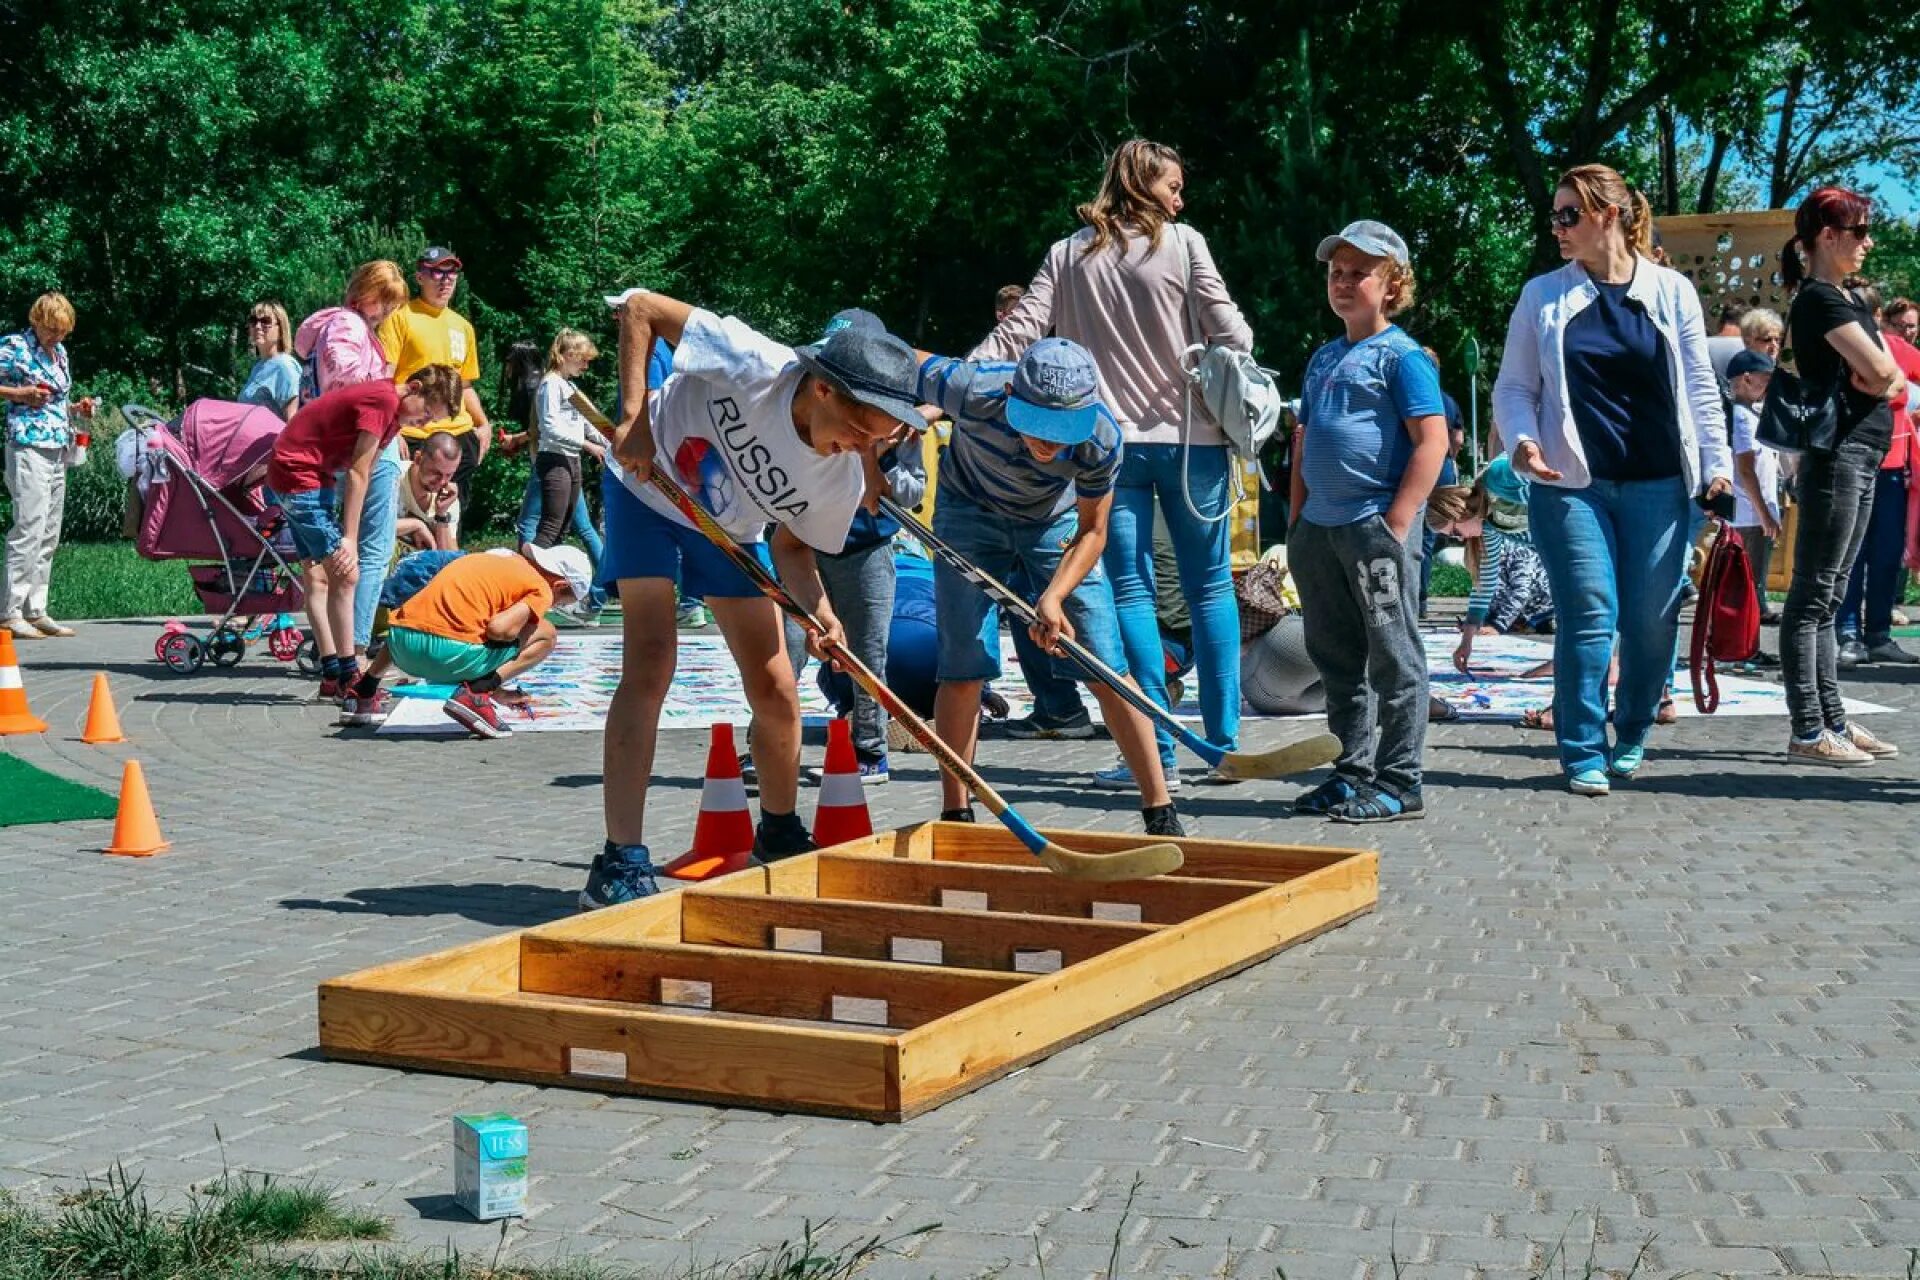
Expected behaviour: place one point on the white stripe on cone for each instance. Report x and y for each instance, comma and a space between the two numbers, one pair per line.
841, 791
723, 795
10, 678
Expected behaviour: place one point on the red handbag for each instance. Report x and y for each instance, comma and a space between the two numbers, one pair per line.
1726, 618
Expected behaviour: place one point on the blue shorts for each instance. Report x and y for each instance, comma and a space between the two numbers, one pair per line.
316, 531
642, 543
970, 621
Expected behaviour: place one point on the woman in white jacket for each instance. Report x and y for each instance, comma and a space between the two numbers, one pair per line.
1136, 289
1607, 402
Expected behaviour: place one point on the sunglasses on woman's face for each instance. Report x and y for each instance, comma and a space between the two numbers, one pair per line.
263, 322
1858, 230
1566, 217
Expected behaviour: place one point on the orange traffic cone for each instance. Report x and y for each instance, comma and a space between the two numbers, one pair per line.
136, 832
842, 813
103, 722
723, 833
14, 716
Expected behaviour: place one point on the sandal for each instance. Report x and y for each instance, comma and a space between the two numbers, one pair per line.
1372, 805
1440, 711
1537, 718
1324, 798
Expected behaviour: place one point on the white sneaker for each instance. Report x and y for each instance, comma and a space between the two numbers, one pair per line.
1862, 740
21, 629
1828, 749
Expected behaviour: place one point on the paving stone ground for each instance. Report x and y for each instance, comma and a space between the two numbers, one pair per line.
1685, 1015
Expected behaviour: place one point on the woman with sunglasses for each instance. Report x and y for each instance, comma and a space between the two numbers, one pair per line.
1836, 345
274, 381
1609, 406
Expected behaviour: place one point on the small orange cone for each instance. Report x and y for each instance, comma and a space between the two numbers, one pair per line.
136, 832
14, 716
103, 722
723, 833
842, 813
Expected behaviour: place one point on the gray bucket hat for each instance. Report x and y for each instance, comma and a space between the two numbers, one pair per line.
868, 365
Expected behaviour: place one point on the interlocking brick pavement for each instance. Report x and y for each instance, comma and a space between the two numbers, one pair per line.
1685, 1014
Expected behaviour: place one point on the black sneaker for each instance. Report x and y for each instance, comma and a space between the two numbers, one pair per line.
1078, 725
1164, 823
779, 839
957, 815
1889, 651
749, 774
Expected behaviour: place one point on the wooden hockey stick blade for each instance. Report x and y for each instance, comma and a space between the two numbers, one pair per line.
1138, 863
1282, 761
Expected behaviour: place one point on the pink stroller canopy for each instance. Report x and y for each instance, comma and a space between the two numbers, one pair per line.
225, 441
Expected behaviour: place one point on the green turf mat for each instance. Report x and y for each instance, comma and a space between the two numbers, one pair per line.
29, 794
1907, 633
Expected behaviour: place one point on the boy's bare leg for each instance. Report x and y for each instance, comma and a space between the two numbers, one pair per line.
339, 612
1133, 733
956, 718
754, 636
536, 643
633, 717
314, 579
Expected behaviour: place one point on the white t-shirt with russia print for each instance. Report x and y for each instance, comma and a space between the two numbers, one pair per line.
723, 425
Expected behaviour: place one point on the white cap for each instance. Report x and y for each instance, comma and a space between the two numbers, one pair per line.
570, 563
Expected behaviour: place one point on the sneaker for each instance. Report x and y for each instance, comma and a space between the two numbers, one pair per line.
579, 614
46, 626
994, 703
692, 615
749, 774
1164, 823
1370, 805
1888, 651
1864, 741
1899, 619
1589, 782
1320, 801
1214, 778
1853, 652
620, 873
1120, 778
332, 689
477, 713
774, 841
1828, 748
1078, 725
873, 772
362, 713
958, 815
21, 629
1627, 761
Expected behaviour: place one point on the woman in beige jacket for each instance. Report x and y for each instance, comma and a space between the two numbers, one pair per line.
1137, 289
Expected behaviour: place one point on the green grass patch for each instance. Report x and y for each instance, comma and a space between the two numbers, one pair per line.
29, 794
1449, 581
110, 580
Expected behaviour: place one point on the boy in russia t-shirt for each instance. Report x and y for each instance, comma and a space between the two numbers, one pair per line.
756, 433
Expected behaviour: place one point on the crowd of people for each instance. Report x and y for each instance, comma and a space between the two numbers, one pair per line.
1075, 467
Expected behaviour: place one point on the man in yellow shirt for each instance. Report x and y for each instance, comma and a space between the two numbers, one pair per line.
428, 331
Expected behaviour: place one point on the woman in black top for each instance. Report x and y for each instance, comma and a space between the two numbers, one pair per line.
1835, 344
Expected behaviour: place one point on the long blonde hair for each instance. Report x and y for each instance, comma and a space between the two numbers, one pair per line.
1452, 503
1599, 187
1126, 201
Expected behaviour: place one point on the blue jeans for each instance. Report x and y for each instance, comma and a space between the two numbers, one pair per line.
528, 524
378, 516
1614, 552
1201, 550
1874, 584
1056, 698
969, 620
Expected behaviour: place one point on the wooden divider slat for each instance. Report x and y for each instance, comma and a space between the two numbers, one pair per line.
771, 984
1162, 900
1205, 859
968, 939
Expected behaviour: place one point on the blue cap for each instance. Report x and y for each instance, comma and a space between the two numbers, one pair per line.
1055, 393
1749, 362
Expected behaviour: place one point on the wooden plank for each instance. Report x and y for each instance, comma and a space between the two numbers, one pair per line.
522, 1037
965, 1049
1205, 859
969, 939
1162, 900
769, 984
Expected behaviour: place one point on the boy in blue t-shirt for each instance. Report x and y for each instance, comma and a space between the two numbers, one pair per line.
1027, 483
1374, 436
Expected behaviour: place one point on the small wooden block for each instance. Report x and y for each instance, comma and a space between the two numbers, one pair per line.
866, 1012
688, 993
1127, 911
1036, 962
599, 1064
963, 900
807, 940
916, 950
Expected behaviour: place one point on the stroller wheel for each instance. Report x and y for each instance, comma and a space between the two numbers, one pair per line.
226, 647
284, 643
306, 659
182, 652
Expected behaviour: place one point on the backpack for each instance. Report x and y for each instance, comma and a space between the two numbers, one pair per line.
1235, 392
1726, 618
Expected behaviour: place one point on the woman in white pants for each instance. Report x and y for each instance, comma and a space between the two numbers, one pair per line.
35, 384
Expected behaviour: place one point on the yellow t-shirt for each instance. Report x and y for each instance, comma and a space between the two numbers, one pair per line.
420, 334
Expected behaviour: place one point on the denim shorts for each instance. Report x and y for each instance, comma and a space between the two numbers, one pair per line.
316, 531
969, 621
642, 543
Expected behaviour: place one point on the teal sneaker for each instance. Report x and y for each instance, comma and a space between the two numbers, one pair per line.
620, 873
1627, 761
1588, 782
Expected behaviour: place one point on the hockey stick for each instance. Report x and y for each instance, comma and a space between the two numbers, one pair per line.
1129, 864
1294, 757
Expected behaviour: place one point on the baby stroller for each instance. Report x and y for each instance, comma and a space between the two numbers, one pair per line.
199, 486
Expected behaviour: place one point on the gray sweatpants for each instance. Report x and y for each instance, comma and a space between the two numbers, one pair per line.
860, 587
1360, 596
